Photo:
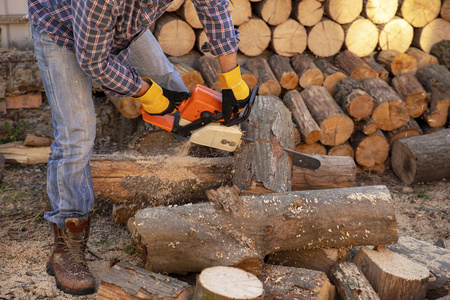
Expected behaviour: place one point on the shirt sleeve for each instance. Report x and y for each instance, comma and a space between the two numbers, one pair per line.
93, 27
215, 17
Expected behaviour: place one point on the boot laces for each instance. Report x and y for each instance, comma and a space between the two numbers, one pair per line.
75, 248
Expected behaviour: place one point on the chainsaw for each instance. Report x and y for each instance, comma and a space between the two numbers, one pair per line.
200, 118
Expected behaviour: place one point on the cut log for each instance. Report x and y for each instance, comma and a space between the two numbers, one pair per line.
190, 76
319, 41
397, 63
175, 5
367, 126
307, 71
419, 13
307, 12
174, 35
208, 67
441, 50
391, 275
354, 66
267, 82
24, 101
408, 130
315, 148
343, 11
370, 150
381, 71
270, 121
32, 140
283, 71
241, 11
334, 172
445, 10
255, 37
200, 236
345, 149
353, 100
335, 125
423, 58
397, 34
390, 112
412, 93
434, 32
250, 79
361, 36
189, 14
436, 259
332, 74
351, 284
281, 282
422, 158
273, 12
129, 107
17, 152
380, 11
288, 38
200, 39
127, 282
223, 283
309, 130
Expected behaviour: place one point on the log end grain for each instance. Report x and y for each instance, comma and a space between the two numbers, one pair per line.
336, 130
362, 72
416, 104
331, 80
391, 115
311, 77
372, 150
403, 63
360, 105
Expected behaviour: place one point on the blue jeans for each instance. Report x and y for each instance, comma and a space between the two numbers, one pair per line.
69, 93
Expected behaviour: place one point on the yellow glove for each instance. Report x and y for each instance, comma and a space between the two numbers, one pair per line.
235, 92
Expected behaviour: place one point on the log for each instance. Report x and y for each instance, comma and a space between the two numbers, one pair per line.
370, 150
419, 13
380, 11
435, 259
281, 282
201, 236
361, 36
129, 107
367, 126
315, 148
208, 67
397, 34
308, 128
390, 112
345, 149
189, 75
353, 100
288, 38
267, 82
409, 129
307, 12
342, 11
335, 125
200, 39
189, 14
17, 152
441, 50
334, 172
32, 140
249, 78
423, 58
241, 11
174, 35
318, 38
434, 32
354, 66
273, 12
422, 158
397, 63
332, 75
412, 93
351, 284
223, 283
445, 10
128, 282
307, 71
175, 5
283, 71
255, 36
391, 275
378, 68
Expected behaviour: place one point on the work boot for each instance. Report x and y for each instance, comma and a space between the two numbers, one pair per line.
67, 261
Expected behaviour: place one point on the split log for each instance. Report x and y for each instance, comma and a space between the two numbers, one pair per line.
190, 76
307, 71
343, 11
378, 68
318, 38
445, 10
354, 66
335, 125
307, 12
315, 148
351, 284
412, 93
174, 35
200, 235
408, 130
281, 282
255, 37
17, 152
367, 126
223, 283
208, 67
353, 100
422, 158
419, 13
441, 51
129, 107
380, 11
273, 12
288, 38
189, 14
423, 58
434, 32
241, 11
397, 34
370, 150
309, 130
334, 172
32, 140
390, 112
332, 74
397, 63
361, 36
435, 259
345, 149
125, 281
283, 71
391, 275
267, 82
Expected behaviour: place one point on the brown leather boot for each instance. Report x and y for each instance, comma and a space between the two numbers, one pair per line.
67, 262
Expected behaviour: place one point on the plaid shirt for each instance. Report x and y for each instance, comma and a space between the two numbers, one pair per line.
101, 31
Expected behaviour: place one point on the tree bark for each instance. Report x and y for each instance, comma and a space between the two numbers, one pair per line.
441, 50
354, 66
267, 82
408, 130
353, 100
315, 148
307, 71
418, 13
318, 38
370, 150
445, 10
273, 12
255, 37
174, 35
367, 126
412, 93
378, 68
32, 140
332, 75
288, 38
397, 63
397, 34
423, 58
307, 12
380, 11
434, 32
343, 11
283, 71
208, 67
361, 36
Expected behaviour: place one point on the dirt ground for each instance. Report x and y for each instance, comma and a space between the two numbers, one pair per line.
422, 211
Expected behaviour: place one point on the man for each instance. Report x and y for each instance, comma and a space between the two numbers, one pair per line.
77, 41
